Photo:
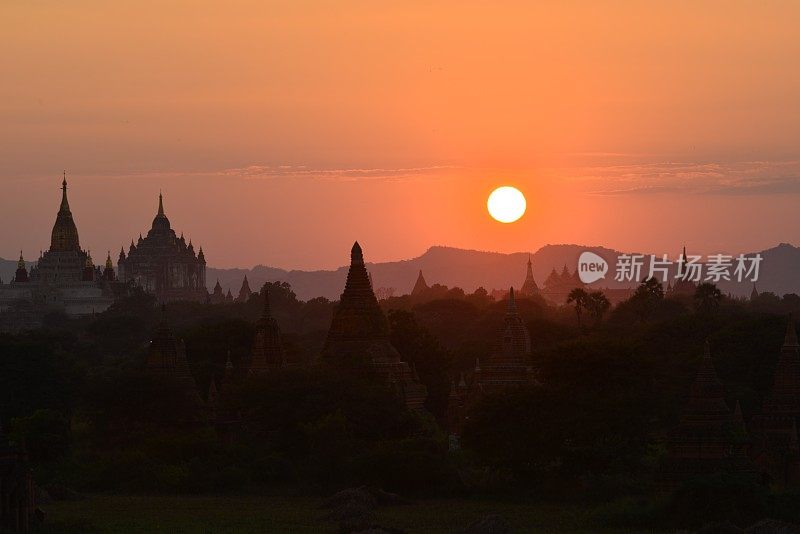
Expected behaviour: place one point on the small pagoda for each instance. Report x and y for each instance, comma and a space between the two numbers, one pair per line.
777, 452
268, 354
710, 438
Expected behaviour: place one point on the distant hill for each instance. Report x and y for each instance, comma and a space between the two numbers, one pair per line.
470, 269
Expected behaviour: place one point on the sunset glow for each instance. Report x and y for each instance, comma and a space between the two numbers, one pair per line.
241, 112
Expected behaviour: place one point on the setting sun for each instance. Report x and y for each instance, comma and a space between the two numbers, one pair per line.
506, 204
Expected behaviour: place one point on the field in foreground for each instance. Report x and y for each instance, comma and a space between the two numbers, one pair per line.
189, 514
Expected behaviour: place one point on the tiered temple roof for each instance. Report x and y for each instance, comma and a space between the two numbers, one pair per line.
359, 335
509, 362
709, 437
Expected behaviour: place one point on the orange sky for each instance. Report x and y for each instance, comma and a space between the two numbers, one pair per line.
282, 131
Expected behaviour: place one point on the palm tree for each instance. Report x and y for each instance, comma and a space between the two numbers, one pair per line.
647, 297
598, 305
580, 298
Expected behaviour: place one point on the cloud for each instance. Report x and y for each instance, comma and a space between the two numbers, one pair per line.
340, 175
739, 178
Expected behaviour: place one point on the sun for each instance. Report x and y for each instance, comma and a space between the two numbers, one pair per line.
506, 204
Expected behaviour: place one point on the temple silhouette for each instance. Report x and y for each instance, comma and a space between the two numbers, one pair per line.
163, 264
359, 336
64, 278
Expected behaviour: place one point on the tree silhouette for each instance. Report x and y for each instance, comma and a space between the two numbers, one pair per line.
647, 297
580, 298
707, 298
597, 305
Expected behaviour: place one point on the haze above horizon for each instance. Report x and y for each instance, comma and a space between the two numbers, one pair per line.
282, 132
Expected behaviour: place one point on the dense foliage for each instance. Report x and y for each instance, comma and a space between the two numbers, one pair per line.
611, 382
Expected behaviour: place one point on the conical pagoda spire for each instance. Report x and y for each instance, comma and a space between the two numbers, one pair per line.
109, 265
356, 254
420, 286
244, 291
21, 274
682, 264
529, 286
160, 221
359, 325
64, 236
64, 202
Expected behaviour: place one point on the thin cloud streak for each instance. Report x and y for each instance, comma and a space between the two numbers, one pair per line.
741, 178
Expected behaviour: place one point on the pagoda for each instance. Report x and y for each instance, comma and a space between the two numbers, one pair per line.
226, 418
21, 274
268, 354
359, 336
777, 454
64, 278
709, 438
684, 286
509, 362
166, 359
244, 291
420, 286
217, 296
529, 287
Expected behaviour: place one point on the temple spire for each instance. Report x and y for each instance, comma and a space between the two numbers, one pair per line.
682, 264
64, 201
64, 236
160, 203
356, 255
420, 286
